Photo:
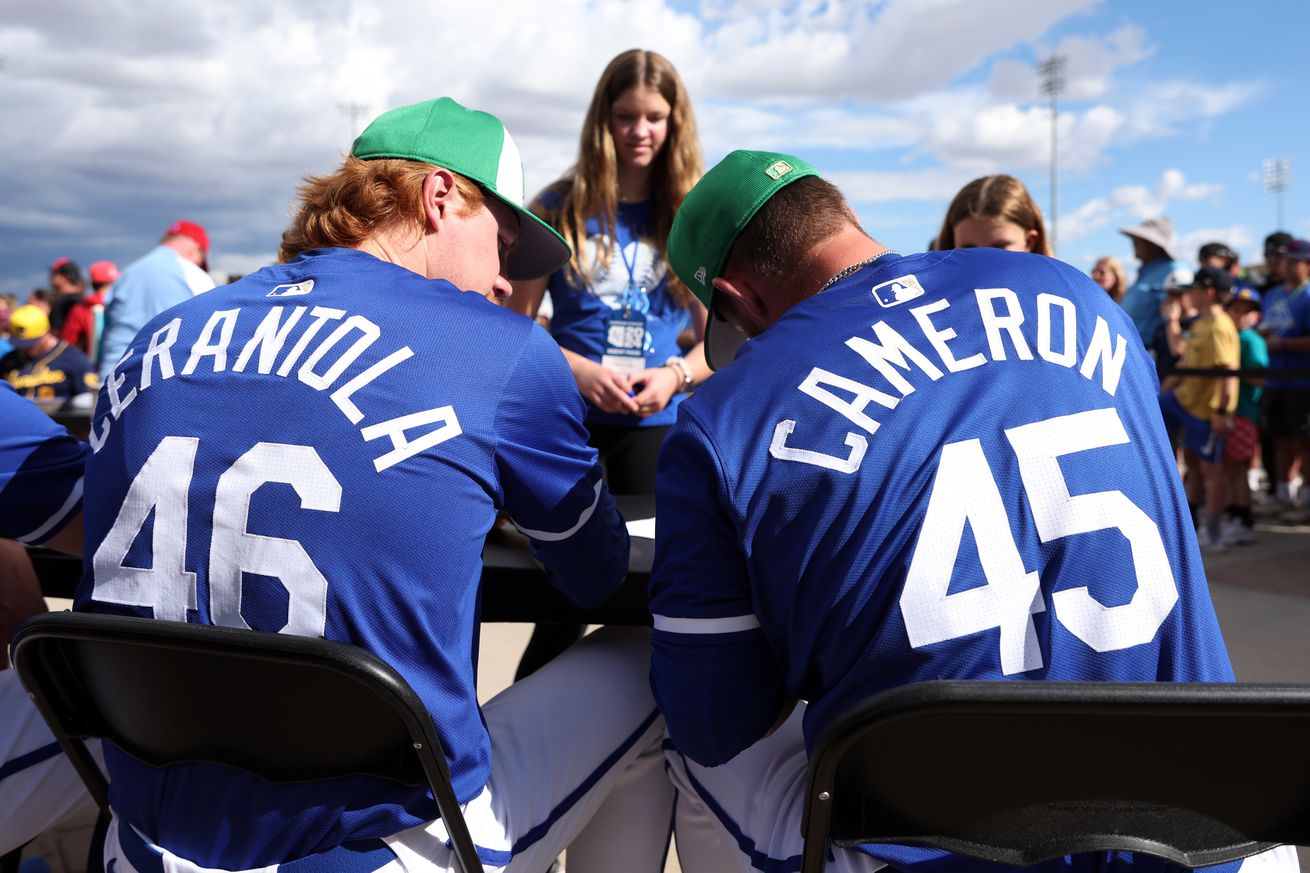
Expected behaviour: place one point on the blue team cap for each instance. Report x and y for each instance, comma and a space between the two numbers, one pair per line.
1247, 294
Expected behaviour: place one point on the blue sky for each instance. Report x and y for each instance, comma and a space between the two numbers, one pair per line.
121, 117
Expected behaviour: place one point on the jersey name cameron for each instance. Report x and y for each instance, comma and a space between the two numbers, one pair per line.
317, 358
927, 353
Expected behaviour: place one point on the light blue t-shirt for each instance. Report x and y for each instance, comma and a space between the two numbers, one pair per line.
149, 285
1142, 299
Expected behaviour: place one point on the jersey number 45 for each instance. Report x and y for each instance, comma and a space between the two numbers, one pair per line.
964, 490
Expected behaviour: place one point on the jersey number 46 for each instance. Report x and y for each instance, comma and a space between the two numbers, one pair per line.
167, 587
964, 490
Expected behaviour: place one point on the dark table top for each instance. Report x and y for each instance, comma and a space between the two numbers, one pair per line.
514, 587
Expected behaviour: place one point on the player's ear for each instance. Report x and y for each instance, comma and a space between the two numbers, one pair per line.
738, 302
438, 192
1032, 236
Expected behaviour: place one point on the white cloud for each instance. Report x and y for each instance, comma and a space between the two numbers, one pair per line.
935, 185
1184, 107
849, 48
1238, 236
1005, 136
123, 117
726, 126
1091, 216
1090, 62
1130, 204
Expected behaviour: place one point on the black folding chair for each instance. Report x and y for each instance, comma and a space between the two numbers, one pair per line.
286, 708
1021, 772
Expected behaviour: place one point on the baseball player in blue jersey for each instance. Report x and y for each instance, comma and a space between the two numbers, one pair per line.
321, 448
40, 504
940, 465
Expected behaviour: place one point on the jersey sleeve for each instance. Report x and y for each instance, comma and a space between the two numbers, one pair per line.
713, 672
40, 472
551, 483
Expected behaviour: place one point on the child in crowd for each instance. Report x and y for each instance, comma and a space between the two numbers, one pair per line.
1203, 405
1240, 450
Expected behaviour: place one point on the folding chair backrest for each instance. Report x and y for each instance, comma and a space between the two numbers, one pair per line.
286, 708
1020, 772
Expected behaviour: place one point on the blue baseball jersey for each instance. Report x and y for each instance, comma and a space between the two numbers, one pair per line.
321, 449
1286, 313
60, 374
40, 471
947, 465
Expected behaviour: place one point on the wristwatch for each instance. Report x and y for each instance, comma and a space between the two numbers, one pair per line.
680, 364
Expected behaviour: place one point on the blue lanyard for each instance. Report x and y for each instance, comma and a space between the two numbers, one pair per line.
629, 293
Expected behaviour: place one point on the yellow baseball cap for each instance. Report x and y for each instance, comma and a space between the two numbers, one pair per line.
27, 324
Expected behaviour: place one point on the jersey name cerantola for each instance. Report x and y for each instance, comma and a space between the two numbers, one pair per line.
899, 361
321, 448
318, 357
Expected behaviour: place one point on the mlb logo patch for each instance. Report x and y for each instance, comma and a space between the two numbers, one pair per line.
294, 289
778, 169
897, 291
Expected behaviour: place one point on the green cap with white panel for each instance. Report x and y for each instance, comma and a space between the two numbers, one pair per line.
477, 146
711, 217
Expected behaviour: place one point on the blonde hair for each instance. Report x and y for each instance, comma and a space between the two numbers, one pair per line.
1120, 277
590, 188
998, 196
361, 199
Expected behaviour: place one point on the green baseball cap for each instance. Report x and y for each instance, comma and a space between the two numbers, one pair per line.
708, 222
475, 145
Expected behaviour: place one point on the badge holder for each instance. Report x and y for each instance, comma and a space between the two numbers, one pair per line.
625, 330
625, 338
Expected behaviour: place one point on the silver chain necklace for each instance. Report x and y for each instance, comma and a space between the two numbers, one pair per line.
853, 268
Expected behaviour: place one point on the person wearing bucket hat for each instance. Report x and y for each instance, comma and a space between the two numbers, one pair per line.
892, 423
172, 272
394, 413
1153, 246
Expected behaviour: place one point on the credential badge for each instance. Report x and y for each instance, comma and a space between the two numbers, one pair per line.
294, 289
897, 291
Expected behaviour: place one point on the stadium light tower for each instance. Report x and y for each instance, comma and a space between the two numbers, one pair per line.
1052, 73
1277, 179
355, 111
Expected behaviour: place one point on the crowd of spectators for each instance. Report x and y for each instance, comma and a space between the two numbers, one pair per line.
57, 344
1242, 440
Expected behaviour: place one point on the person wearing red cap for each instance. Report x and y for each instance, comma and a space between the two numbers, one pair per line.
173, 271
85, 321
